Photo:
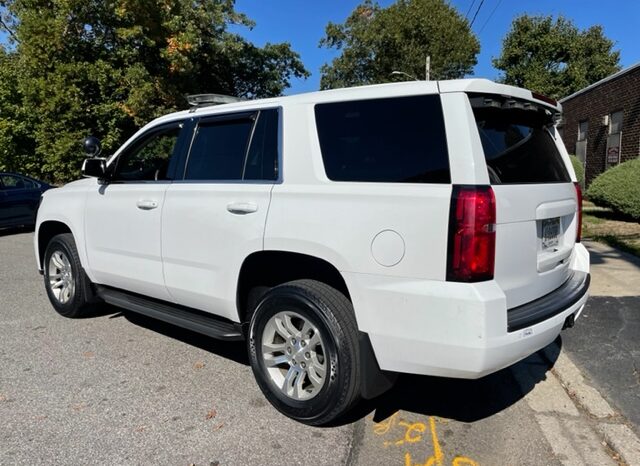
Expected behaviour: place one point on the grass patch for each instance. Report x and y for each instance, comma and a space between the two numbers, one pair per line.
632, 247
592, 219
605, 226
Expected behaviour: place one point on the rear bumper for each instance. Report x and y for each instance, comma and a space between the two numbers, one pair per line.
458, 329
548, 306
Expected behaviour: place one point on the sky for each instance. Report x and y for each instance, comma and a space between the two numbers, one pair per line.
302, 23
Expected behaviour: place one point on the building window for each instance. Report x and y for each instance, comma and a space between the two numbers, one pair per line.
583, 129
615, 122
614, 139
581, 144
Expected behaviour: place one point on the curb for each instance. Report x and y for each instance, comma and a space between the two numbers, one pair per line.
611, 426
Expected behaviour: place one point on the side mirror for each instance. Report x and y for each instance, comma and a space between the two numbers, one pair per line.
96, 168
92, 146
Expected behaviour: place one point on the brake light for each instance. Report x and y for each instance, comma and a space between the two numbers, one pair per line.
472, 234
579, 200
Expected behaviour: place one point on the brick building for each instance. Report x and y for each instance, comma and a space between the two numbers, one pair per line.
601, 123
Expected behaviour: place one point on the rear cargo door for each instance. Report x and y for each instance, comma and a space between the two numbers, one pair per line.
536, 207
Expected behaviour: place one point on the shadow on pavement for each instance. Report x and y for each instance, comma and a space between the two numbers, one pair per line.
460, 399
599, 257
16, 230
234, 350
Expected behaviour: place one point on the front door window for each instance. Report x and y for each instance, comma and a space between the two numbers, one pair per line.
149, 159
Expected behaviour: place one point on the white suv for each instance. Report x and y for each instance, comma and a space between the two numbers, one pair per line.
347, 235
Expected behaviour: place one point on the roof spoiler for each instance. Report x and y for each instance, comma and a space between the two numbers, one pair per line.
509, 102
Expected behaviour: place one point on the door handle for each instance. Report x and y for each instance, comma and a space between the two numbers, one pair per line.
146, 204
242, 208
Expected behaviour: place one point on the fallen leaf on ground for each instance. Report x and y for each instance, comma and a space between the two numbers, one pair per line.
217, 426
140, 428
78, 406
88, 354
211, 414
198, 365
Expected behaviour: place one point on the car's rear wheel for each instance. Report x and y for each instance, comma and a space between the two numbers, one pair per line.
67, 286
303, 348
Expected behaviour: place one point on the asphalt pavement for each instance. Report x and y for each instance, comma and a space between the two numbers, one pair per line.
606, 343
117, 388
607, 348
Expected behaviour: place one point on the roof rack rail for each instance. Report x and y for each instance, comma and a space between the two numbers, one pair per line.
197, 101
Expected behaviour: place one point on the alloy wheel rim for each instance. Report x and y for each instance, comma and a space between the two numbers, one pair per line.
293, 353
61, 281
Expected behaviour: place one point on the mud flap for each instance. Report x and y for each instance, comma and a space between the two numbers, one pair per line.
374, 380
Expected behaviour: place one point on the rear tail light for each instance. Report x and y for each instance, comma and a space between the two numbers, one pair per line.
472, 234
579, 211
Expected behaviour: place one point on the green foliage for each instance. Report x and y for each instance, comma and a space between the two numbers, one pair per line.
79, 67
619, 189
578, 168
375, 41
555, 58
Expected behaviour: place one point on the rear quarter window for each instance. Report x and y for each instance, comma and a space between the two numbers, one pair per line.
396, 140
518, 147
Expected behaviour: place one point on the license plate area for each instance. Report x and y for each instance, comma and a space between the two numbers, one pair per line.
550, 229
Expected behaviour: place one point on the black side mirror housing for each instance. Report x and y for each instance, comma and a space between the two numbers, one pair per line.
95, 167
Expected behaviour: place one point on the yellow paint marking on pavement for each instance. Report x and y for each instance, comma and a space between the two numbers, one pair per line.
411, 433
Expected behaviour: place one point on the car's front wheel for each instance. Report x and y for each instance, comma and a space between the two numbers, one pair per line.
67, 285
303, 348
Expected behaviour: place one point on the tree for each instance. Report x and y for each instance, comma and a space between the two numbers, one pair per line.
554, 57
79, 67
375, 41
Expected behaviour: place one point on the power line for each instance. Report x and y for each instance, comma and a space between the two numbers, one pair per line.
490, 15
476, 15
469, 10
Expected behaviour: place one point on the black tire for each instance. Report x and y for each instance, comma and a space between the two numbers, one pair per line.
332, 314
82, 296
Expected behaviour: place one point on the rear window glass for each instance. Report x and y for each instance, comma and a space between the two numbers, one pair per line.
399, 140
518, 148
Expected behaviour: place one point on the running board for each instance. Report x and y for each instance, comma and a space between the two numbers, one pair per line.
191, 319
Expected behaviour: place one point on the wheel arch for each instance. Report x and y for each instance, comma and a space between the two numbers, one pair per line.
265, 269
294, 266
46, 231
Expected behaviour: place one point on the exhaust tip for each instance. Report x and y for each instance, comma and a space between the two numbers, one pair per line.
569, 322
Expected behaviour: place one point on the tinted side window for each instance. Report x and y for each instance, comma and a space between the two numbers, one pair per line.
149, 159
262, 159
517, 146
218, 150
29, 184
13, 182
398, 140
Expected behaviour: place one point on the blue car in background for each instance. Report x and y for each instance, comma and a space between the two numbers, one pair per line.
19, 199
